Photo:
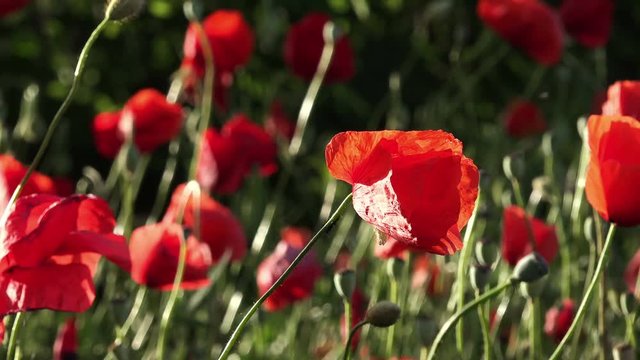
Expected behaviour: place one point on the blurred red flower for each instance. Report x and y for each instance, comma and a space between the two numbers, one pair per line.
623, 98
303, 48
558, 320
66, 344
11, 173
359, 304
9, 6
277, 124
2, 330
613, 173
300, 283
426, 275
155, 251
588, 21
49, 251
529, 25
228, 156
523, 118
219, 228
415, 187
631, 273
105, 133
517, 229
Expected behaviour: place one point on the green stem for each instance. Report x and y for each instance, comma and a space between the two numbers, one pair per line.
424, 352
77, 75
535, 351
602, 297
133, 314
15, 334
393, 292
243, 323
352, 333
165, 181
589, 294
347, 315
484, 327
470, 306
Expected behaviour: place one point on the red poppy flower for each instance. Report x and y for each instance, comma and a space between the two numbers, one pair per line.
529, 25
231, 40
9, 6
517, 228
303, 48
300, 283
155, 251
416, 186
50, 248
219, 228
623, 98
11, 173
105, 133
426, 275
359, 304
2, 330
278, 124
613, 172
631, 273
588, 21
66, 344
523, 118
228, 156
558, 320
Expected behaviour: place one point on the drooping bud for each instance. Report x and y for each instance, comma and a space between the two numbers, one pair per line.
487, 252
427, 329
530, 268
479, 276
628, 304
394, 267
383, 314
345, 283
513, 166
121, 10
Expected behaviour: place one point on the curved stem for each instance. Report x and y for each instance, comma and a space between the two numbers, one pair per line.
80, 66
165, 181
588, 295
243, 323
133, 314
470, 306
484, 326
352, 333
15, 333
535, 351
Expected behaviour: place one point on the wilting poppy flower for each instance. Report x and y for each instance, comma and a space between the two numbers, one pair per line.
529, 25
11, 173
588, 21
66, 344
303, 48
523, 118
359, 303
623, 98
49, 251
9, 6
300, 283
558, 320
631, 273
613, 172
155, 251
415, 186
228, 156
427, 275
105, 133
517, 229
219, 228
278, 124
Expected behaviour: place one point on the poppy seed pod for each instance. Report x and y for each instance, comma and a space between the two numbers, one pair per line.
383, 314
345, 283
530, 268
121, 10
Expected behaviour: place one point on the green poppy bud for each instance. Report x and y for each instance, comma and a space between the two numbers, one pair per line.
121, 10
345, 283
383, 314
530, 268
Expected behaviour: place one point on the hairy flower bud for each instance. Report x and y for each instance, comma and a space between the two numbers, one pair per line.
345, 283
122, 10
530, 268
383, 314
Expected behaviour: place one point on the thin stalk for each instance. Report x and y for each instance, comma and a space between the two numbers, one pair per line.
243, 323
391, 333
424, 352
470, 306
347, 315
585, 301
352, 333
57, 118
535, 350
165, 181
12, 352
484, 327
602, 297
133, 314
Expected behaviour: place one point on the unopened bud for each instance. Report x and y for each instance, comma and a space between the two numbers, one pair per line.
345, 283
530, 268
394, 267
487, 252
427, 329
479, 277
383, 314
628, 304
533, 289
623, 352
121, 10
513, 166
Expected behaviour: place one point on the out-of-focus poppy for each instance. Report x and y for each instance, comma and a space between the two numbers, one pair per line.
359, 304
303, 48
105, 133
10, 6
529, 25
517, 230
219, 228
228, 156
415, 187
613, 172
558, 320
277, 124
427, 275
588, 21
66, 345
155, 251
49, 251
2, 330
300, 283
523, 118
623, 98
11, 173
631, 274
